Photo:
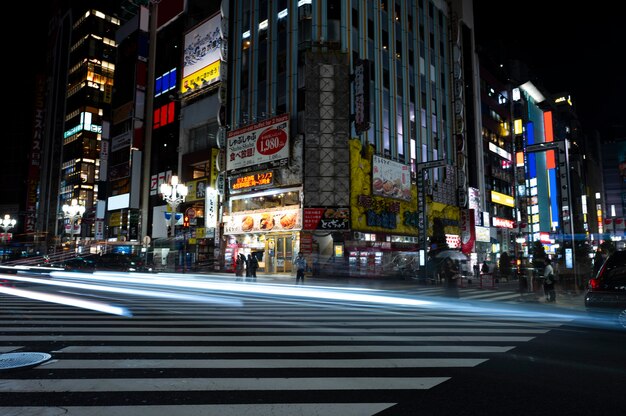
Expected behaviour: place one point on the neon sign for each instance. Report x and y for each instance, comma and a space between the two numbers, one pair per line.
252, 181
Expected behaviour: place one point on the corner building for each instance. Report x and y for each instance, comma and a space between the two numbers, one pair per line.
332, 107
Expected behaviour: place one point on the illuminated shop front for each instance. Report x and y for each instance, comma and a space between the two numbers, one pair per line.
383, 215
265, 224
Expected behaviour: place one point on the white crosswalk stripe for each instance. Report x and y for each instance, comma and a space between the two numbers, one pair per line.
170, 348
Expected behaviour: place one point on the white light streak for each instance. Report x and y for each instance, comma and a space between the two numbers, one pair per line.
66, 300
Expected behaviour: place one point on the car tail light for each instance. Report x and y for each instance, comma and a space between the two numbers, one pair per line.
594, 283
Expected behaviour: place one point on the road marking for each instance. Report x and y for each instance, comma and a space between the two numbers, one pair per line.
231, 338
218, 384
265, 363
313, 321
236, 349
276, 329
272, 409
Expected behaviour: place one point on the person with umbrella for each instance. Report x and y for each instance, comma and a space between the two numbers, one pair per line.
452, 275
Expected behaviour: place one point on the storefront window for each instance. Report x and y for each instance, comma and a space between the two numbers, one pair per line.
266, 202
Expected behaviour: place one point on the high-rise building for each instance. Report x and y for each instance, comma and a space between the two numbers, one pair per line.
498, 173
333, 112
80, 71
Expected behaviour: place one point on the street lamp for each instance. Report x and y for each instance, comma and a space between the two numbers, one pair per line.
6, 223
174, 194
73, 212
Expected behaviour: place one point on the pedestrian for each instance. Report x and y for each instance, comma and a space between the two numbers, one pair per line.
300, 263
239, 266
452, 275
253, 265
548, 283
598, 261
485, 268
246, 266
476, 269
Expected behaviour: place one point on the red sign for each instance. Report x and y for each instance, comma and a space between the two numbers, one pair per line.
306, 243
326, 219
312, 217
271, 141
191, 213
502, 222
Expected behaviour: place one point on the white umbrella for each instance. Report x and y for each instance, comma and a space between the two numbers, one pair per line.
453, 254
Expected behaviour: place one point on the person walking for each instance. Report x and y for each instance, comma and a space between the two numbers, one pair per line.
300, 263
485, 268
253, 265
452, 275
598, 261
247, 265
239, 266
548, 283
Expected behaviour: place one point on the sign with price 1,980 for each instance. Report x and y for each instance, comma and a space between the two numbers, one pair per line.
259, 143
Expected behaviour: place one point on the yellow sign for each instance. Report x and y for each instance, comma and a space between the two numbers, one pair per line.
502, 199
208, 74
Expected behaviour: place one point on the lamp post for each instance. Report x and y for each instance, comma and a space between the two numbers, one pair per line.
174, 194
422, 168
7, 223
73, 212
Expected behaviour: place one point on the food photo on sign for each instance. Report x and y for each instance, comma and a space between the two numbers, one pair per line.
260, 222
391, 179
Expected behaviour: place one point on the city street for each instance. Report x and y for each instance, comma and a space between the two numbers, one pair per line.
168, 344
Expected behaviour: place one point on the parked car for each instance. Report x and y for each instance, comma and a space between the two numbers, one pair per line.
606, 291
122, 262
79, 264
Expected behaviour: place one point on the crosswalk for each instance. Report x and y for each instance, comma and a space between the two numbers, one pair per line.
281, 357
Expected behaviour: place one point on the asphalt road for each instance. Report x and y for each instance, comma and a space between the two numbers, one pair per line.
190, 345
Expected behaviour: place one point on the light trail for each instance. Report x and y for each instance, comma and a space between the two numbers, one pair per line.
67, 300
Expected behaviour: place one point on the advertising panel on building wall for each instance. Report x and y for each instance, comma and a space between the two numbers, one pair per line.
262, 143
196, 190
384, 228
279, 219
336, 219
371, 213
391, 179
201, 55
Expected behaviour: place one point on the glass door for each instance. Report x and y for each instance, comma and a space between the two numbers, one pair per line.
280, 254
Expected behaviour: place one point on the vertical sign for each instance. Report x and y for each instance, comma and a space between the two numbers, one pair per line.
361, 96
99, 233
153, 184
210, 208
32, 183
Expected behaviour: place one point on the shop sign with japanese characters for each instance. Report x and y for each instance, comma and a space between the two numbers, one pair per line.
257, 144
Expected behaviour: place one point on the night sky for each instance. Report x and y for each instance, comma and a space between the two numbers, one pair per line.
568, 47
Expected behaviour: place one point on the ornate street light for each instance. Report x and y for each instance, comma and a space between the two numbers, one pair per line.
73, 212
6, 223
174, 193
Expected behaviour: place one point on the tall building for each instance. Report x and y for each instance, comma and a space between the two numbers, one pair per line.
498, 161
332, 111
80, 69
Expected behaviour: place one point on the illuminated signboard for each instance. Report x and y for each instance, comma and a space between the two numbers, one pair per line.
502, 199
502, 222
253, 180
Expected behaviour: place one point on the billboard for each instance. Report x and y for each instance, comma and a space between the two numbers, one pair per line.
276, 219
391, 179
260, 143
201, 55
